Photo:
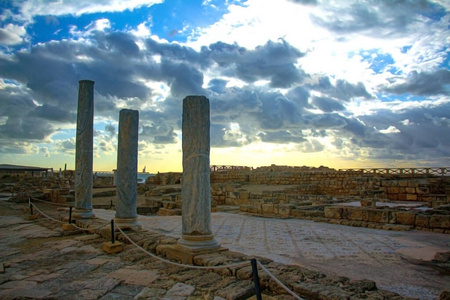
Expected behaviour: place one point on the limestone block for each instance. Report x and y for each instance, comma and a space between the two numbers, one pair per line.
32, 217
411, 197
440, 221
403, 183
354, 213
392, 197
333, 212
377, 216
393, 190
284, 210
244, 208
252, 210
423, 190
410, 190
392, 217
422, 221
401, 197
406, 218
244, 195
267, 208
169, 204
229, 188
110, 248
68, 227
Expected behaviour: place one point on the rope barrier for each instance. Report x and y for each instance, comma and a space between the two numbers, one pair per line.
169, 261
51, 203
278, 281
178, 264
44, 214
74, 225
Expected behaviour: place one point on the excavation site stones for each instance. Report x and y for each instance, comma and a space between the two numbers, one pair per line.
220, 232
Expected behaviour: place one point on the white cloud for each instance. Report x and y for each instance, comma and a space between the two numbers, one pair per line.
12, 34
32, 8
390, 129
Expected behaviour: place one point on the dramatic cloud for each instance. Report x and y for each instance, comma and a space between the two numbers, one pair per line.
362, 81
424, 84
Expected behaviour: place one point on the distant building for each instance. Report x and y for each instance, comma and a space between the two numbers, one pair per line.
24, 171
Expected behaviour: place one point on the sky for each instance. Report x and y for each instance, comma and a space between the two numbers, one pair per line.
343, 84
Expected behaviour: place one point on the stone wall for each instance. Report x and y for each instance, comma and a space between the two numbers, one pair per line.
437, 220
424, 188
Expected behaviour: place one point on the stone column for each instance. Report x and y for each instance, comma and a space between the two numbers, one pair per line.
126, 178
196, 194
84, 150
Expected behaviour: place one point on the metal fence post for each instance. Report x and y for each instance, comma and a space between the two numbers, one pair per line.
112, 232
256, 279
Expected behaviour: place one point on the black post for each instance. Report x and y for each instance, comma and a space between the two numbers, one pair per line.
112, 231
256, 279
31, 208
70, 215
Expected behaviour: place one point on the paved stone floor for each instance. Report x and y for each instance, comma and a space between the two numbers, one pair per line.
74, 267
41, 263
382, 256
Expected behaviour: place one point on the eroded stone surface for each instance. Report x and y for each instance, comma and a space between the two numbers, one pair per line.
84, 147
127, 155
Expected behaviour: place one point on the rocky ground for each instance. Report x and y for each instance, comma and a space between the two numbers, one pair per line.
40, 261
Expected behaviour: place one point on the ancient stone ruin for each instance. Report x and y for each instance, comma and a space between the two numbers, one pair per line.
388, 199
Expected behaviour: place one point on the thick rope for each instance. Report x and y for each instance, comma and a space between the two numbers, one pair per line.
51, 203
178, 264
73, 224
175, 263
279, 282
44, 214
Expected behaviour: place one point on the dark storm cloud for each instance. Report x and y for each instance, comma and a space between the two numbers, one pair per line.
272, 61
160, 132
17, 108
281, 137
326, 104
324, 121
424, 84
300, 96
311, 146
53, 113
277, 112
342, 89
217, 86
18, 147
178, 53
305, 2
121, 42
183, 79
49, 73
421, 132
65, 146
111, 130
381, 18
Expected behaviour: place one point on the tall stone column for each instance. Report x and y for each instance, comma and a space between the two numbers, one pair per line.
126, 178
196, 194
84, 150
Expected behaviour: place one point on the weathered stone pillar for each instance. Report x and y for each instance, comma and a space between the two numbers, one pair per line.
196, 194
84, 150
126, 178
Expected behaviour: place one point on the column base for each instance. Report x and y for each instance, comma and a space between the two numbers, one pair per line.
186, 253
82, 213
198, 242
128, 223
